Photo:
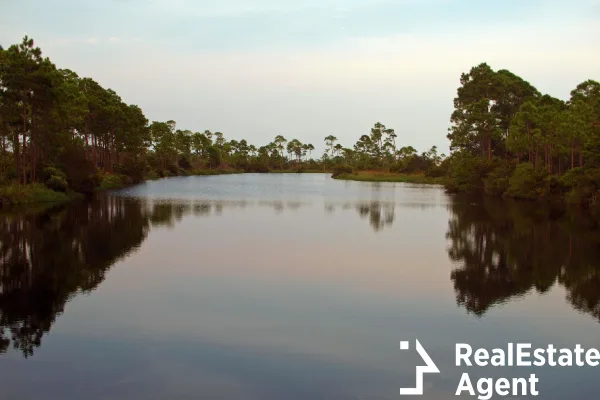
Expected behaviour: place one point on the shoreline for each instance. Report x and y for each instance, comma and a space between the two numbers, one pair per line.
37, 193
369, 176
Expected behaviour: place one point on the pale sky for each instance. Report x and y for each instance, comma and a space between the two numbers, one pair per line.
309, 68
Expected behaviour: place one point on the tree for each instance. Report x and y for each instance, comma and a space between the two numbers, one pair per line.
485, 104
330, 143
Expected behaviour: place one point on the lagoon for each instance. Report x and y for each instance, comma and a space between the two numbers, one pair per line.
287, 286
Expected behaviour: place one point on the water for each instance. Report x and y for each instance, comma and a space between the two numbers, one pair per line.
291, 286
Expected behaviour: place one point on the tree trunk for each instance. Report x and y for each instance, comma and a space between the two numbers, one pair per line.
24, 153
559, 164
33, 148
94, 156
17, 156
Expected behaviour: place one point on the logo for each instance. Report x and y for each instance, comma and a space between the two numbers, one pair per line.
428, 368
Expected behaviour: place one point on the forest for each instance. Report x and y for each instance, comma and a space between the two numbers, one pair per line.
508, 139
63, 134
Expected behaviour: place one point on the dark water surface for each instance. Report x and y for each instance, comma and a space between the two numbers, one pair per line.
286, 287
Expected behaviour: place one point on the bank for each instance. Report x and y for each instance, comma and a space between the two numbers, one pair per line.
14, 194
375, 176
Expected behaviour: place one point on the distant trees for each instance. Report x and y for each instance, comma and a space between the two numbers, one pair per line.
378, 150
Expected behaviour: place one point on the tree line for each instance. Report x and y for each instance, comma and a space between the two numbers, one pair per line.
69, 132
509, 139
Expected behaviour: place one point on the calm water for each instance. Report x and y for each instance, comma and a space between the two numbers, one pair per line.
286, 287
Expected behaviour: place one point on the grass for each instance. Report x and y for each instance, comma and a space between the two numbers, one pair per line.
378, 176
295, 171
111, 181
215, 171
14, 194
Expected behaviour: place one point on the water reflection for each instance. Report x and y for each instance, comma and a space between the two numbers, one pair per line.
48, 256
500, 251
379, 214
504, 250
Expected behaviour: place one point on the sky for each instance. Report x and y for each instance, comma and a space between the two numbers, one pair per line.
306, 69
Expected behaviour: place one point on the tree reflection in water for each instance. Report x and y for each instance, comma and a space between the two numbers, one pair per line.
500, 250
50, 255
503, 250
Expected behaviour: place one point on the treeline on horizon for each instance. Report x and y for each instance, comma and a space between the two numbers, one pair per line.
70, 133
507, 139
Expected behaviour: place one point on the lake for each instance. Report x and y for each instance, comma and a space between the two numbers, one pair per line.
287, 286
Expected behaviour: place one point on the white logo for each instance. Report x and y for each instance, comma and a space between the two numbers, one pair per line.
429, 368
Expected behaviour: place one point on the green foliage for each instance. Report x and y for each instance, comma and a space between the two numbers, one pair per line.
341, 169
367, 176
214, 157
582, 186
496, 183
438, 171
55, 179
256, 168
528, 184
57, 183
49, 172
81, 175
71, 125
499, 115
467, 172
133, 168
16, 194
111, 181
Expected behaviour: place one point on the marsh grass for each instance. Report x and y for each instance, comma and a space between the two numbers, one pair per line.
378, 176
14, 194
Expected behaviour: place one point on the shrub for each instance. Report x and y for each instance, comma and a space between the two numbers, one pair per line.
341, 169
153, 175
184, 163
528, 184
55, 179
214, 157
437, 171
25, 194
57, 183
111, 181
49, 172
256, 168
467, 172
496, 183
582, 186
81, 174
133, 168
